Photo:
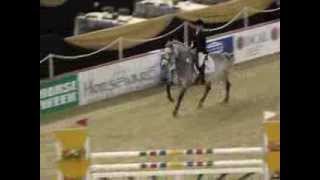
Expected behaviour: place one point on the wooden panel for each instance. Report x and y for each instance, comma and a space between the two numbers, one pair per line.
273, 160
72, 138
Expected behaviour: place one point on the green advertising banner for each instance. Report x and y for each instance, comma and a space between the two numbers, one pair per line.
59, 94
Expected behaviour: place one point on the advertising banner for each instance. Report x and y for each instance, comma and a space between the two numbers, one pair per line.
257, 42
119, 78
220, 45
59, 94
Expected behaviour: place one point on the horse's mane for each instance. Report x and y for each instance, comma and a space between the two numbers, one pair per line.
179, 43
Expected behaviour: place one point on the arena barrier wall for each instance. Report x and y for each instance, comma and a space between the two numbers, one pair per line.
143, 71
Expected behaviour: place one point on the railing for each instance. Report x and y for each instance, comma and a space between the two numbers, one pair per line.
243, 14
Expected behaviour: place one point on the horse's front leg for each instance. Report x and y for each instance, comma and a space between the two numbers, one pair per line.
181, 95
168, 87
227, 89
169, 84
206, 92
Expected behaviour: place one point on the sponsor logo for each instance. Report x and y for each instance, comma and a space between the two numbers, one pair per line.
118, 82
220, 45
216, 47
59, 93
58, 89
249, 40
58, 101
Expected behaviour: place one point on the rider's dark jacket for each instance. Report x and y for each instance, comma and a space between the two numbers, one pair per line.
200, 42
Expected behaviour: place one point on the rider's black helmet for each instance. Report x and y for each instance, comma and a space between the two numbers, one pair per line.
199, 22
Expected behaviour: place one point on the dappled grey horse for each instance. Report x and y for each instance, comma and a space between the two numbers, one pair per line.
185, 61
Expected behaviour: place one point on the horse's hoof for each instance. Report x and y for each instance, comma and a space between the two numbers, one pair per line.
200, 106
224, 102
175, 114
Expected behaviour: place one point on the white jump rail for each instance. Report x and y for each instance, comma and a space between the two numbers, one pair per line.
148, 169
97, 176
217, 151
183, 164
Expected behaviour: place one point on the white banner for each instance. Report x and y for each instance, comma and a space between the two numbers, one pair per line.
257, 42
143, 72
119, 78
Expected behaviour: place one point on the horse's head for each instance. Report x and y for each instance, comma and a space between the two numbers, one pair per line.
174, 48
168, 55
168, 48
165, 60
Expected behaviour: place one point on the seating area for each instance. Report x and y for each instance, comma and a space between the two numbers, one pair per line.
109, 17
154, 8
106, 18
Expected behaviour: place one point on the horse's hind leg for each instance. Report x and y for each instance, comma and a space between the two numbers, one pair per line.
208, 88
177, 107
227, 87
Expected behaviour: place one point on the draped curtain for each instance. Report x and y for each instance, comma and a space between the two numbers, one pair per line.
150, 28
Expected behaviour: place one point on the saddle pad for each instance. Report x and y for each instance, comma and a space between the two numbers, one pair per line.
209, 65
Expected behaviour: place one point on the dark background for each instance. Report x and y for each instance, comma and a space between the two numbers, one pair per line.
299, 118
299, 123
59, 20
53, 42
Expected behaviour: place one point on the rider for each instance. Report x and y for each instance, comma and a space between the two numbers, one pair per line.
200, 45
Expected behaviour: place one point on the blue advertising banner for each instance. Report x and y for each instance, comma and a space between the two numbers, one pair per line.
220, 45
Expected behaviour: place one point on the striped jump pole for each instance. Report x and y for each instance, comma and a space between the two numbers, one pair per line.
171, 152
98, 176
100, 171
75, 159
175, 165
